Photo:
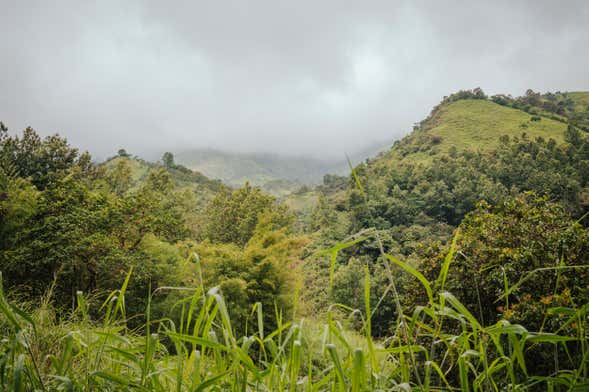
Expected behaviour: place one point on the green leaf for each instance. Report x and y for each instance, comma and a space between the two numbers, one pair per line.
447, 260
114, 378
548, 338
461, 309
422, 279
356, 178
197, 341
210, 381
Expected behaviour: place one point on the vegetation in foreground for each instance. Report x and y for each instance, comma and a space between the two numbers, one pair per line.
440, 346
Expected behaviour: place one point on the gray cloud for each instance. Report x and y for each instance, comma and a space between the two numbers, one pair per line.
316, 77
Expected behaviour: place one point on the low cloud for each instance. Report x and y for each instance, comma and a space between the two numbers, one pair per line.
300, 78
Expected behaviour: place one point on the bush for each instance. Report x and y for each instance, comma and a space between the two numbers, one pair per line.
518, 261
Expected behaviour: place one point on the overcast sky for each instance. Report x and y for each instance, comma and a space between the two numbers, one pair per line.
298, 77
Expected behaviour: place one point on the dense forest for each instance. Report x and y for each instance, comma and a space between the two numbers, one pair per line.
457, 259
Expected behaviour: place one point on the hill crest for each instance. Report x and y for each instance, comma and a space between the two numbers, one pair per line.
469, 120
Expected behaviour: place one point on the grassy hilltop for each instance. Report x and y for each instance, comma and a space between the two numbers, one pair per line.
472, 125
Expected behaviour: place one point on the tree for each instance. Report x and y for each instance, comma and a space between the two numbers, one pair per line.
263, 271
123, 153
348, 289
523, 260
573, 136
500, 246
323, 215
60, 224
232, 216
168, 160
119, 178
41, 159
19, 201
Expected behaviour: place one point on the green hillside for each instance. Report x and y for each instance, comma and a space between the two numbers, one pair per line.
470, 148
139, 168
470, 154
581, 99
472, 124
203, 188
566, 107
469, 121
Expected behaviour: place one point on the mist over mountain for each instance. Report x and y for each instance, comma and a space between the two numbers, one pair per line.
303, 78
264, 168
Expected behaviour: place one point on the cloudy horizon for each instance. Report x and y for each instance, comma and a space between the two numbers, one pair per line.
297, 78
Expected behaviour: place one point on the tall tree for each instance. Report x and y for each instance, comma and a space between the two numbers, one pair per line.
573, 136
168, 160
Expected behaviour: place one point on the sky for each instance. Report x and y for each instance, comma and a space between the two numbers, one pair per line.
317, 78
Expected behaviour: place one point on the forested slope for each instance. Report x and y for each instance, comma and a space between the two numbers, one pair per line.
469, 154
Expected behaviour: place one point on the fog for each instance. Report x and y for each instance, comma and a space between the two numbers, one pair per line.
319, 78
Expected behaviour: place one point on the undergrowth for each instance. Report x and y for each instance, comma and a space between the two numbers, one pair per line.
441, 346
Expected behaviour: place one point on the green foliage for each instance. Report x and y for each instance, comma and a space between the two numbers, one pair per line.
80, 228
448, 320
573, 136
181, 177
43, 160
333, 183
564, 107
232, 216
74, 227
323, 215
478, 124
202, 350
18, 202
168, 160
119, 178
263, 271
414, 205
499, 245
449, 188
519, 261
348, 289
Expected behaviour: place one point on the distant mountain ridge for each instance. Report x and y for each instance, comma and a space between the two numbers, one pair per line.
273, 172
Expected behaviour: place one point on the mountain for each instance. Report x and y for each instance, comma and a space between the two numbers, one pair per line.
259, 169
472, 124
276, 174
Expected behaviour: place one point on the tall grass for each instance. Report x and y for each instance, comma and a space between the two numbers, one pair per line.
440, 346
